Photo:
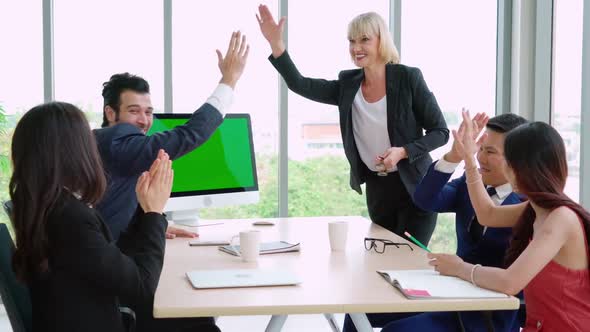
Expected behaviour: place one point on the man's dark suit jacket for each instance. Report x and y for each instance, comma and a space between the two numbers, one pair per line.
411, 109
435, 193
126, 152
88, 272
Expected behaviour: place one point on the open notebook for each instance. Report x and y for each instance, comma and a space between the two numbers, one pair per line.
241, 278
428, 284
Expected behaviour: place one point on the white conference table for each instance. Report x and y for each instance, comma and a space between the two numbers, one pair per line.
332, 282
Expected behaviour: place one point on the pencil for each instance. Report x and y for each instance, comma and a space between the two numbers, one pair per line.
417, 242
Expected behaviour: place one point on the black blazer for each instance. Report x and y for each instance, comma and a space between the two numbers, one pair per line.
88, 272
411, 109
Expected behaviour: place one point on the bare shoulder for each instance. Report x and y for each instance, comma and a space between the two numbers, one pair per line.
563, 219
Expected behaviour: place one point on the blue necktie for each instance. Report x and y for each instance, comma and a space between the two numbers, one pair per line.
475, 228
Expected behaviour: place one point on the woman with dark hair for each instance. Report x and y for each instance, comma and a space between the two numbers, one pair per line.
548, 255
65, 254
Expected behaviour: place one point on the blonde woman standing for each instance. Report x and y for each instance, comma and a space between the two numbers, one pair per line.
385, 108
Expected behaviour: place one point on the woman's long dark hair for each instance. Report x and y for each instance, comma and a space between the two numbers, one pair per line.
536, 154
53, 152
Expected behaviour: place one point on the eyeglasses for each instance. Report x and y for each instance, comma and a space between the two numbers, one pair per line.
379, 244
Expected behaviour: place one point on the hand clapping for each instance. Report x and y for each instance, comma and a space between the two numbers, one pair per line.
456, 154
466, 143
153, 187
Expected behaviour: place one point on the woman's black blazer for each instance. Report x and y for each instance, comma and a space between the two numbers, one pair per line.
411, 110
88, 272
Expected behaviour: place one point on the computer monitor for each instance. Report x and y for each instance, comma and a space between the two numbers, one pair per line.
222, 171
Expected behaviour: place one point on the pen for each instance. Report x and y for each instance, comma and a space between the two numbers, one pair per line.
417, 242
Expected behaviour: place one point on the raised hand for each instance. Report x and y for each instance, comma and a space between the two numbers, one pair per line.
153, 187
480, 120
466, 143
272, 31
232, 65
456, 155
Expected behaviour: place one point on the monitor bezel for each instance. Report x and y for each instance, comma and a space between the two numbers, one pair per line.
205, 192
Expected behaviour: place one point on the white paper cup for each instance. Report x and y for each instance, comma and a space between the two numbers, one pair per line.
338, 232
249, 245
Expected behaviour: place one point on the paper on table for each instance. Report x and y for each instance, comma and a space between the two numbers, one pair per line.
266, 248
425, 284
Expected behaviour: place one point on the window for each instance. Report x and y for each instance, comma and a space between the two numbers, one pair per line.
567, 81
318, 169
196, 34
21, 81
454, 44
94, 40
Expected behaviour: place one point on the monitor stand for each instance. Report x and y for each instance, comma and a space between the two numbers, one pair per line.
184, 217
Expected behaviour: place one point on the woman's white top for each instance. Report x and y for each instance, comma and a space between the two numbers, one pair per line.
369, 125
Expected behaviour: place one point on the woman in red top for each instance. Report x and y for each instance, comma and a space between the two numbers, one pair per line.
548, 255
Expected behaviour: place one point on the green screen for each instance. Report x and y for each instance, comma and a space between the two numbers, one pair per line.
224, 163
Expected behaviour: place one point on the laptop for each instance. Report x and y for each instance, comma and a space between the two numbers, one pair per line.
203, 279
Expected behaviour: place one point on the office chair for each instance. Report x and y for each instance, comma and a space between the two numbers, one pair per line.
15, 295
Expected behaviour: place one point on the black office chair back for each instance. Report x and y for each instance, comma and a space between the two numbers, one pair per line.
15, 295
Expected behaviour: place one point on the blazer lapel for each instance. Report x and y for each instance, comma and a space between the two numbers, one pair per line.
349, 89
392, 81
